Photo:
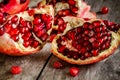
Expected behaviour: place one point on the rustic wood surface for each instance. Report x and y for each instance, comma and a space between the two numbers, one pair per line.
39, 66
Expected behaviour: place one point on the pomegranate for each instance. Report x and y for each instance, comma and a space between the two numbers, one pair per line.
86, 42
63, 8
14, 6
25, 33
77, 8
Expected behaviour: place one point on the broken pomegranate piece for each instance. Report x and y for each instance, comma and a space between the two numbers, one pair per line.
85, 45
14, 6
22, 34
63, 8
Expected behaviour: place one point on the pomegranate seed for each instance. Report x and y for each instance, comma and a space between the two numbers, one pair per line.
74, 9
91, 26
71, 35
23, 29
61, 28
14, 31
26, 36
61, 49
86, 25
66, 12
96, 23
60, 21
100, 41
98, 35
104, 10
44, 37
78, 47
71, 2
31, 12
94, 52
39, 27
74, 71
22, 22
15, 38
86, 32
1, 31
75, 56
83, 50
95, 44
91, 33
26, 43
29, 25
37, 21
92, 39
46, 18
15, 70
60, 13
48, 26
7, 27
40, 33
57, 65
35, 44
87, 54
52, 37
2, 20
14, 19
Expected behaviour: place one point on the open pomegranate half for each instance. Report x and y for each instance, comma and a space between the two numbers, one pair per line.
89, 42
26, 32
14, 6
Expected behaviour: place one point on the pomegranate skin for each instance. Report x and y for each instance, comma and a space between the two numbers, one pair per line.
9, 47
14, 6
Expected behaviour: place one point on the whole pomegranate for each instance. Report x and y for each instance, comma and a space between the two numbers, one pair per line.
26, 32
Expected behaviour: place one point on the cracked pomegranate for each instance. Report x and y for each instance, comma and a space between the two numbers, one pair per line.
85, 44
63, 8
22, 34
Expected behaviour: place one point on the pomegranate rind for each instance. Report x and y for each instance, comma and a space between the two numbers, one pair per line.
14, 6
104, 54
10, 47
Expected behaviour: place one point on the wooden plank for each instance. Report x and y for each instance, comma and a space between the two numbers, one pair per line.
108, 69
31, 65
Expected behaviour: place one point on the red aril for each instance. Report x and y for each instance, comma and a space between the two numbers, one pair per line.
16, 70
74, 71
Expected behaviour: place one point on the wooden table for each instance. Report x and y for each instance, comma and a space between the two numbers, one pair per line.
39, 66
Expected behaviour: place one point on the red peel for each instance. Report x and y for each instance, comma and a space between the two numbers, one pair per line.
14, 6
